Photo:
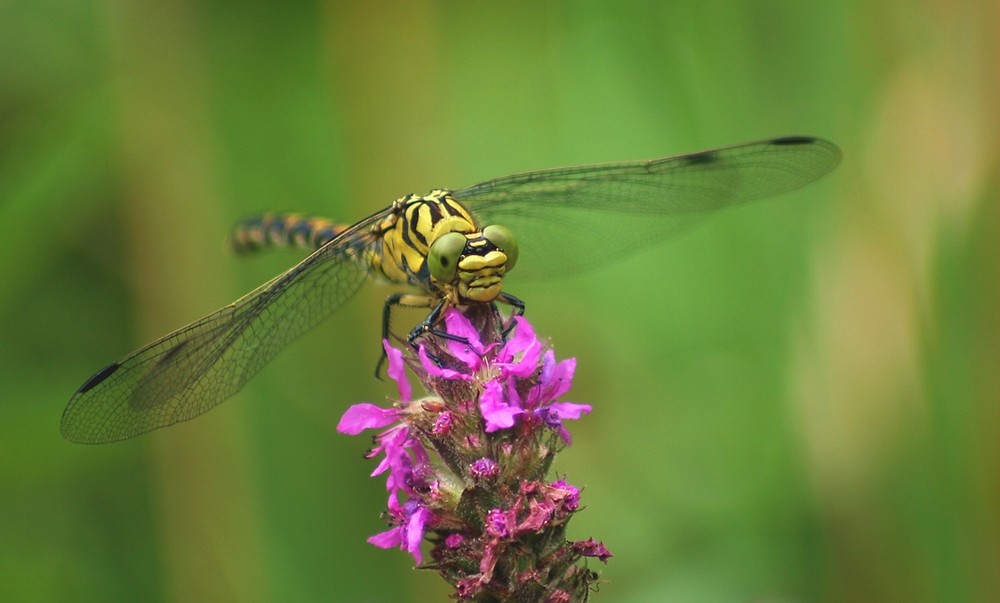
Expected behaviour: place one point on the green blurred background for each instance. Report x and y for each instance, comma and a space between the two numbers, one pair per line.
798, 401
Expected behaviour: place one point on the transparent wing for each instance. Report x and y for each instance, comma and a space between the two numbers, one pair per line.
195, 368
565, 219
572, 218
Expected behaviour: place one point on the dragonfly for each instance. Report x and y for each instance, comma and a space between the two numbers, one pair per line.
452, 248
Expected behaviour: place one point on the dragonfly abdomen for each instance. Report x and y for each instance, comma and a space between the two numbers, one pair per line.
283, 230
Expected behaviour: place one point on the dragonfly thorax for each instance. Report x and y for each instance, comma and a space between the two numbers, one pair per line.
434, 243
410, 228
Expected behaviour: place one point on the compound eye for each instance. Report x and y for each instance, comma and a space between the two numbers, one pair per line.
443, 256
504, 240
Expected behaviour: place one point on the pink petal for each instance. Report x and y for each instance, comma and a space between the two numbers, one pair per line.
363, 416
555, 379
562, 377
460, 326
415, 532
570, 410
525, 344
496, 412
387, 539
397, 370
433, 369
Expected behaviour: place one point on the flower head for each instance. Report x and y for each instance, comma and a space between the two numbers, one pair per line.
484, 468
465, 466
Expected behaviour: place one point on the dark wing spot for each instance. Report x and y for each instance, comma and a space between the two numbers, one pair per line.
172, 353
793, 140
99, 377
700, 158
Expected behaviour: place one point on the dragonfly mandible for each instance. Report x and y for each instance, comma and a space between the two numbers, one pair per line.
453, 247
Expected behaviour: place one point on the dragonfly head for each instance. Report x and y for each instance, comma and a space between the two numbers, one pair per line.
474, 263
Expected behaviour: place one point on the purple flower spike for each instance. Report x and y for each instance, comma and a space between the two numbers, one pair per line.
465, 466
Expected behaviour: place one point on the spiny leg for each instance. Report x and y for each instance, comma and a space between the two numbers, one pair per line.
407, 300
516, 309
427, 325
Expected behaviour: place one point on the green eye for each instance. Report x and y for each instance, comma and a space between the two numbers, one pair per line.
505, 241
442, 258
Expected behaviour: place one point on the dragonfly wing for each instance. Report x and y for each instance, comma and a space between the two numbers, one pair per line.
191, 370
572, 218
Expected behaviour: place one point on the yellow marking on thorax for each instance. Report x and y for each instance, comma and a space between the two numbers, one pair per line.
408, 234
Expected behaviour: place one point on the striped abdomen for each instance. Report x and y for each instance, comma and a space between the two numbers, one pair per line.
283, 230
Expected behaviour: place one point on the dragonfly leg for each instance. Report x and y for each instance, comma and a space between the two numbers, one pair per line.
516, 309
407, 300
427, 325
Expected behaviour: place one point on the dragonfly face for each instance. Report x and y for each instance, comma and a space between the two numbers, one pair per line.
472, 266
446, 246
